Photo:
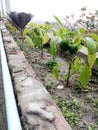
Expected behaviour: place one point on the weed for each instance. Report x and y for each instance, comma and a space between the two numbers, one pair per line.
51, 63
96, 103
76, 104
50, 87
91, 127
70, 110
90, 98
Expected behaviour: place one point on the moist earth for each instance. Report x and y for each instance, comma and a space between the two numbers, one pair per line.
88, 113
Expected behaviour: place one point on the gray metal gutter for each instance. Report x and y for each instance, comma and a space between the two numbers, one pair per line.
13, 120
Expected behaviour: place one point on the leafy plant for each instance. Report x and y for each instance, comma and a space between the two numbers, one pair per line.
67, 45
70, 109
72, 42
64, 45
76, 104
87, 69
38, 35
12, 28
55, 70
85, 75
41, 39
97, 61
91, 126
75, 66
96, 103
58, 20
29, 41
52, 63
54, 45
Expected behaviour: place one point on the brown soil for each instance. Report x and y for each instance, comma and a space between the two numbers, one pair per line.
88, 113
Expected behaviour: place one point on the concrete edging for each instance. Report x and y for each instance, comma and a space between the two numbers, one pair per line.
10, 102
38, 110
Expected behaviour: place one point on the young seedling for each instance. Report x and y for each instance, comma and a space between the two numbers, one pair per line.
54, 46
70, 110
68, 45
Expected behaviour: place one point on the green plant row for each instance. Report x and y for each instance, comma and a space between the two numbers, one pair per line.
63, 40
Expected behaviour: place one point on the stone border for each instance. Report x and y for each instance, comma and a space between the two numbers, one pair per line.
37, 109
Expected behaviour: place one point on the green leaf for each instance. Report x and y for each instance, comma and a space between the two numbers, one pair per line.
97, 61
90, 128
29, 41
97, 44
62, 64
58, 20
65, 76
62, 32
91, 46
82, 30
94, 36
85, 75
54, 47
37, 40
77, 64
26, 30
55, 71
45, 38
91, 59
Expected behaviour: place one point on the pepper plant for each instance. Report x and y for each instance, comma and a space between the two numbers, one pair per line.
75, 63
54, 45
91, 45
54, 49
72, 42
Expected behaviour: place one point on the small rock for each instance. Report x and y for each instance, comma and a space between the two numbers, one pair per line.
60, 87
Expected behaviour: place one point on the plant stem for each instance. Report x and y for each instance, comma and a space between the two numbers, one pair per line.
69, 71
53, 58
41, 50
21, 31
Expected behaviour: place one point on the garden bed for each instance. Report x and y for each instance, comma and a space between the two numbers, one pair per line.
36, 108
79, 105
